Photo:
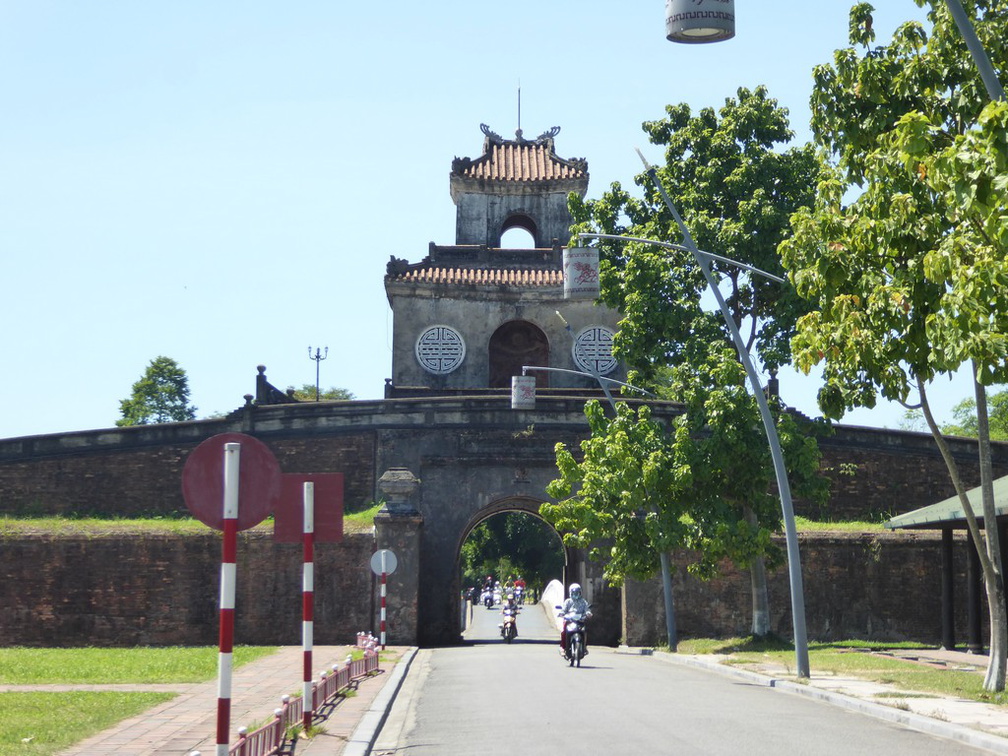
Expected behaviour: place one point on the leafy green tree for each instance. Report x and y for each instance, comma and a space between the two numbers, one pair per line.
735, 184
160, 396
965, 415
908, 279
625, 496
307, 393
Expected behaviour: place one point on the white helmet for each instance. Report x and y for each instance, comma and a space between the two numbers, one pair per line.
575, 591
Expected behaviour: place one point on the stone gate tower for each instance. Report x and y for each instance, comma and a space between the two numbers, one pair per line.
469, 316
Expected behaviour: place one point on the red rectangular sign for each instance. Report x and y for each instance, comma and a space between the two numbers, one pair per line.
288, 525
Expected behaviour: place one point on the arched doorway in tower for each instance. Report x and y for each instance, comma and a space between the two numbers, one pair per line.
514, 345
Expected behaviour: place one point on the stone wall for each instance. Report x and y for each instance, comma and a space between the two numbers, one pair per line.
164, 590
884, 586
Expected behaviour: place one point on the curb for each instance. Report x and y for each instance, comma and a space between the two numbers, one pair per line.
364, 735
937, 728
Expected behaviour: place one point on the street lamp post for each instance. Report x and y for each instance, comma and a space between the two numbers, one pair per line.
780, 471
683, 23
318, 357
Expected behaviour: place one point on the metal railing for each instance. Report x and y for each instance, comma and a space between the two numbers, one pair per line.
270, 738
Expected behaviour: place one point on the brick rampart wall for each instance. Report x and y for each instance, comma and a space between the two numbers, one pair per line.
884, 586
164, 590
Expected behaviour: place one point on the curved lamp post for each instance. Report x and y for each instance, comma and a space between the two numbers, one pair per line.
780, 471
694, 21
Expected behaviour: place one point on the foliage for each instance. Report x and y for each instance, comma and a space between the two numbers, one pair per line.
511, 544
900, 298
908, 280
966, 420
735, 189
703, 484
160, 396
307, 393
626, 495
735, 185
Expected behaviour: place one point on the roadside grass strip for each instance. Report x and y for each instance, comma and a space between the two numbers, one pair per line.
44, 723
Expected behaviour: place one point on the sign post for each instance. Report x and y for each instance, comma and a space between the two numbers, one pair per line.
213, 474
232, 458
383, 563
308, 601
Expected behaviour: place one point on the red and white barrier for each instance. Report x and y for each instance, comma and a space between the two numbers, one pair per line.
308, 599
232, 458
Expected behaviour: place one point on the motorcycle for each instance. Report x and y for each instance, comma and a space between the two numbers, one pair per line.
574, 624
509, 627
488, 599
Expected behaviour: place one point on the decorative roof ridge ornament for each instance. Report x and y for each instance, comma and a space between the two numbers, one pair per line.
492, 136
548, 135
545, 138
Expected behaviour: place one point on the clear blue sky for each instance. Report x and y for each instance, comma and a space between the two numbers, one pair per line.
223, 183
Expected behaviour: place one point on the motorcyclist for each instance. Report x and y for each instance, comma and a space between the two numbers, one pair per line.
511, 605
577, 604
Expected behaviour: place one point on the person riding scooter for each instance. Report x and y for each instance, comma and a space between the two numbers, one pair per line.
578, 605
509, 611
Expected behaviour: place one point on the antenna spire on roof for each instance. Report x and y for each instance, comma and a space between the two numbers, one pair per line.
518, 133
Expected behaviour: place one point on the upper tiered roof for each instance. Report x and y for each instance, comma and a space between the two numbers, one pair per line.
520, 160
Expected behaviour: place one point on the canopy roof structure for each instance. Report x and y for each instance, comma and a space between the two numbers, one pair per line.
948, 513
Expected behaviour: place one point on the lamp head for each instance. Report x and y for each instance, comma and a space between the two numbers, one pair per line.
699, 21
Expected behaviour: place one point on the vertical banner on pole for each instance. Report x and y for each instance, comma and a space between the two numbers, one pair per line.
232, 457
308, 600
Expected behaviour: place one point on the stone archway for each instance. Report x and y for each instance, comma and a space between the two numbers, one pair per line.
573, 559
516, 344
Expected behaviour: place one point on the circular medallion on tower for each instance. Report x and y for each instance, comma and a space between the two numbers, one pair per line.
440, 349
592, 350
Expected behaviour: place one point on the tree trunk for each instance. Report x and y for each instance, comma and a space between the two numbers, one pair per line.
994, 680
760, 593
670, 623
990, 561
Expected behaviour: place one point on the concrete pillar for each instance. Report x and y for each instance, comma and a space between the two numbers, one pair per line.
397, 527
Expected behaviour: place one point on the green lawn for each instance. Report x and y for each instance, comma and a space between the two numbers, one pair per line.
40, 723
853, 658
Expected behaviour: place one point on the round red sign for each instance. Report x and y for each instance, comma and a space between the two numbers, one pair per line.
258, 481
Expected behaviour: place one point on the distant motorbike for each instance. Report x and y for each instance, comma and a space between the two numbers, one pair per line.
487, 599
574, 624
509, 627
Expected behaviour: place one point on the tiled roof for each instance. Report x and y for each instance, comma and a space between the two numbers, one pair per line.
521, 161
484, 276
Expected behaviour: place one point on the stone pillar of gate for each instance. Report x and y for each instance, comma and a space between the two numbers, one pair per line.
397, 527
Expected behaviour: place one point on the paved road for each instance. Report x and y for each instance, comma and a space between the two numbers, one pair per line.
488, 697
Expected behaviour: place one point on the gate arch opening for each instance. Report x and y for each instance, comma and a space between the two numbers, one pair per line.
506, 540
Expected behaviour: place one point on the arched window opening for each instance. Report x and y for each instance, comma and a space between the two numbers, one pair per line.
514, 345
518, 232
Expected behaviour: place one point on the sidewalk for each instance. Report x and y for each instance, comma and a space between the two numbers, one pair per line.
189, 721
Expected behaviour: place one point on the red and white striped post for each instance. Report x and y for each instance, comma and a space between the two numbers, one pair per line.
383, 576
232, 458
308, 600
